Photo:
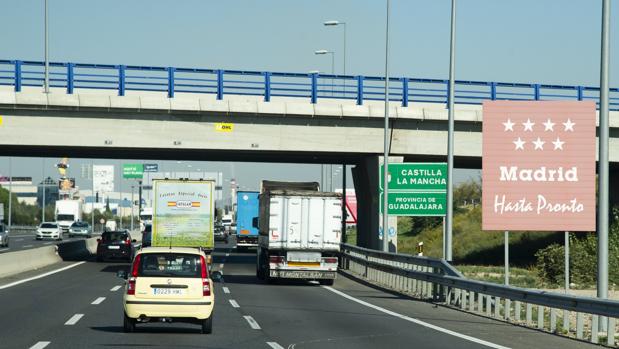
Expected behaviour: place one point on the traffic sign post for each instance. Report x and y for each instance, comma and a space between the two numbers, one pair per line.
133, 171
415, 189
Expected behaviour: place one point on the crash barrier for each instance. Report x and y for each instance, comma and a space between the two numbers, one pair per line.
13, 263
583, 318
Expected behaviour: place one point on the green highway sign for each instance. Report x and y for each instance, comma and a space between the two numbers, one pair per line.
416, 189
416, 177
133, 171
415, 204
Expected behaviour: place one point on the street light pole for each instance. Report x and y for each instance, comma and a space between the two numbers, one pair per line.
602, 247
343, 24
332, 53
450, 137
10, 191
43, 184
132, 207
46, 87
92, 211
386, 140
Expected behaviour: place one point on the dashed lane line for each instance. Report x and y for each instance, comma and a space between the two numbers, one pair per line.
98, 301
226, 290
115, 288
74, 319
221, 266
4, 249
416, 321
234, 303
40, 276
275, 345
40, 345
254, 325
26, 246
227, 255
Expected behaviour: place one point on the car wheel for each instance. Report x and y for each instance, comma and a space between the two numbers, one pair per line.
327, 282
128, 324
207, 325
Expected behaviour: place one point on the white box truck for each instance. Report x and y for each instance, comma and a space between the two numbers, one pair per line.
299, 232
67, 213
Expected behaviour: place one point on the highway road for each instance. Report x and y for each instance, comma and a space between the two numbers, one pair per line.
81, 307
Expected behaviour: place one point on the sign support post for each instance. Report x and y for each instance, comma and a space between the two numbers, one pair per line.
507, 258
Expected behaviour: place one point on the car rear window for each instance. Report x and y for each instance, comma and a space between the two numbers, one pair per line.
49, 225
79, 224
114, 236
170, 265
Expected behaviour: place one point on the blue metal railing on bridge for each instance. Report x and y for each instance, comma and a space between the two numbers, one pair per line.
312, 86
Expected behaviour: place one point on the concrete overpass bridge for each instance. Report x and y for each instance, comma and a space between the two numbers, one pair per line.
117, 111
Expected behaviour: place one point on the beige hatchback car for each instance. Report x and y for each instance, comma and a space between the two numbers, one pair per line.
168, 284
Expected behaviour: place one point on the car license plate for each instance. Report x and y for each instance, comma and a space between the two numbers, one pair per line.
168, 291
113, 247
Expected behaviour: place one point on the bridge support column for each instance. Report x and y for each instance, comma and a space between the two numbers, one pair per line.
366, 177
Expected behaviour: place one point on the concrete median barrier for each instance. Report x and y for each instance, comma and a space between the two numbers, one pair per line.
13, 263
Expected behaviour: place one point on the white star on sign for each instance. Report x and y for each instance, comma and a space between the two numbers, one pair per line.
519, 144
539, 144
509, 125
528, 125
548, 125
558, 144
569, 125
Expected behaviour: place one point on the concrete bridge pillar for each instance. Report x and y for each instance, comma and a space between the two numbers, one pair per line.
366, 180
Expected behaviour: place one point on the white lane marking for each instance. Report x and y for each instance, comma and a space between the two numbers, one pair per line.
45, 243
21, 235
274, 345
234, 303
252, 322
98, 300
74, 319
416, 321
227, 255
40, 345
221, 266
25, 246
115, 288
226, 290
23, 240
5, 249
41, 276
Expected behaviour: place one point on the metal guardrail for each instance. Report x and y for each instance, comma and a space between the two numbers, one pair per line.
438, 281
312, 86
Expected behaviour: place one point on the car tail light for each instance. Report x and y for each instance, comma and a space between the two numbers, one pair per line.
330, 260
276, 259
134, 276
206, 286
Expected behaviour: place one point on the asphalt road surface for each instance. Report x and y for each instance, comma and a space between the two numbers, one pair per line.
81, 307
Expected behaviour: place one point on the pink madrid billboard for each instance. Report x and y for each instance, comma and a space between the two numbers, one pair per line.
538, 165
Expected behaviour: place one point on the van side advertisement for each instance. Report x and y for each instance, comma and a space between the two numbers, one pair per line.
183, 213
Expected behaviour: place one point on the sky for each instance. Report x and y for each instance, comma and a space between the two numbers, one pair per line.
531, 41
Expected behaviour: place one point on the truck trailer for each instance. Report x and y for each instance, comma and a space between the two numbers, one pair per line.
246, 211
68, 212
299, 232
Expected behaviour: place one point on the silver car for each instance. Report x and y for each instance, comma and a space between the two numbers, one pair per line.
80, 229
4, 236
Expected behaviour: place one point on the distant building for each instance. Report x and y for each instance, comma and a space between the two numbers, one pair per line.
22, 187
50, 188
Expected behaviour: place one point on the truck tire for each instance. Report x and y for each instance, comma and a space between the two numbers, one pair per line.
128, 324
326, 282
207, 325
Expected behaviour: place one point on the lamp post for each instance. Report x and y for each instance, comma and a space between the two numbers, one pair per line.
447, 238
10, 190
386, 140
343, 24
332, 53
132, 207
46, 83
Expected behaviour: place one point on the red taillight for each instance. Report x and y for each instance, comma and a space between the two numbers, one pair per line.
276, 259
330, 260
128, 241
134, 275
206, 286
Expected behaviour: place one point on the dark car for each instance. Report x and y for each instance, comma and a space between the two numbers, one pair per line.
147, 235
115, 245
220, 233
